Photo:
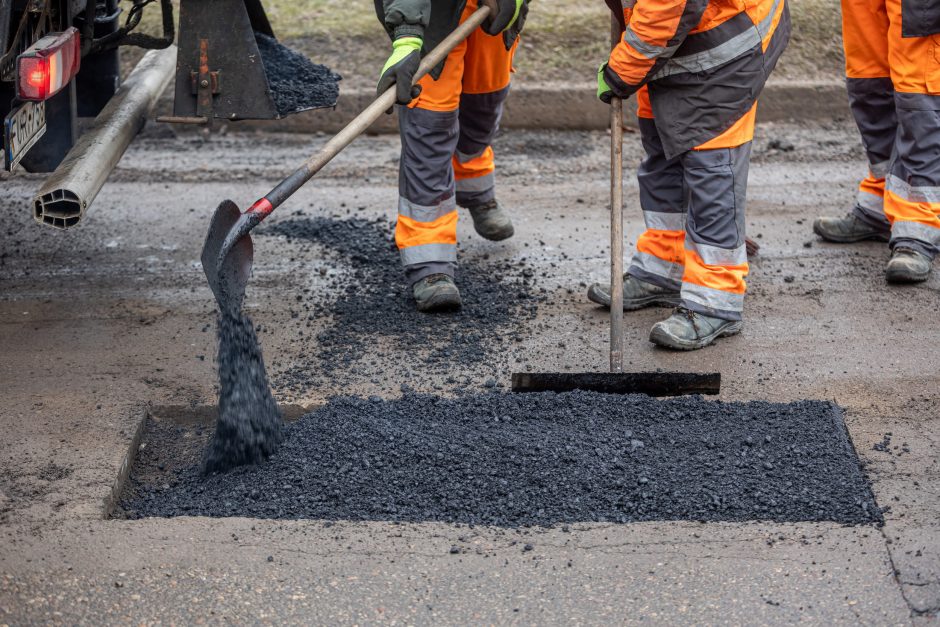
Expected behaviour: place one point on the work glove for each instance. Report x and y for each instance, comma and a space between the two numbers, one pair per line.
506, 15
605, 91
400, 70
511, 34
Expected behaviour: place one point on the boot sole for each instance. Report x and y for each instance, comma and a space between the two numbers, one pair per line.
899, 278
878, 237
497, 237
636, 303
440, 303
660, 338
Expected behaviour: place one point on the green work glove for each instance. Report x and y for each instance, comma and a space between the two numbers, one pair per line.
400, 70
512, 33
506, 14
604, 92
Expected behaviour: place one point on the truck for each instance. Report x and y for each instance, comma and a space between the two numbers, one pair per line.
60, 63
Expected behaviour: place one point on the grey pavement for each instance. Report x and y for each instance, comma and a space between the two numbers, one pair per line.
99, 322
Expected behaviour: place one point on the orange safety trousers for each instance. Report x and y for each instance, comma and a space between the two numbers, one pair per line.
894, 92
693, 206
447, 153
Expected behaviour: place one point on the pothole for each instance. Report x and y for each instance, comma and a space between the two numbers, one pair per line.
520, 460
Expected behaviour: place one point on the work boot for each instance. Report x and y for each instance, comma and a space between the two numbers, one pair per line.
436, 292
687, 330
636, 294
907, 266
491, 221
847, 229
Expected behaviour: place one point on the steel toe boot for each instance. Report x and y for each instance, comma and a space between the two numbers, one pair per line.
636, 294
687, 330
849, 228
491, 221
436, 292
907, 266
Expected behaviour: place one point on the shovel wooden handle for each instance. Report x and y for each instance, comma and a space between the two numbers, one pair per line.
616, 220
286, 188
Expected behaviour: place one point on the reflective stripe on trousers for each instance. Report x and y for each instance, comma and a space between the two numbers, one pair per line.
426, 232
894, 91
693, 207
473, 164
446, 158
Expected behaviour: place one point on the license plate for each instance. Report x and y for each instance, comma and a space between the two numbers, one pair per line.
21, 130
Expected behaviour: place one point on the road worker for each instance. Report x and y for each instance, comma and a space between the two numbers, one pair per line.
447, 123
892, 67
697, 67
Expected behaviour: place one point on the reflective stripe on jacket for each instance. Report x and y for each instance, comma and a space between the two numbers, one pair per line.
705, 61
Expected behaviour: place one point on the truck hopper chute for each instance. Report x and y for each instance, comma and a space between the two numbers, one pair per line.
231, 67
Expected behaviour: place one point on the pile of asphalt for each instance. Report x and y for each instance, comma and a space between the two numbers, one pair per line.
538, 459
297, 84
249, 427
371, 317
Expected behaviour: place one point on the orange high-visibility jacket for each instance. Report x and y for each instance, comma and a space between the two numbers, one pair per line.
705, 61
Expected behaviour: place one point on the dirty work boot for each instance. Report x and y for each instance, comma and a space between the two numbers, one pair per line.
436, 292
907, 266
847, 229
687, 330
491, 221
636, 294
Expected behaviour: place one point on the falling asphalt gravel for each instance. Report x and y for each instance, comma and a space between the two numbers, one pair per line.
531, 460
249, 427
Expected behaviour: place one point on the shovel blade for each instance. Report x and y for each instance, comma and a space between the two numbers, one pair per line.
228, 274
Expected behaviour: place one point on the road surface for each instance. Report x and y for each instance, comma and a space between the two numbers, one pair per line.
100, 323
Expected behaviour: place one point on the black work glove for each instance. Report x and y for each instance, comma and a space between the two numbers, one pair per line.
511, 34
400, 70
506, 14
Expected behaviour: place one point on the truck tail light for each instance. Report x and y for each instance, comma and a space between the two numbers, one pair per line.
48, 65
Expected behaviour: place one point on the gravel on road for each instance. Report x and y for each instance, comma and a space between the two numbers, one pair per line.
537, 459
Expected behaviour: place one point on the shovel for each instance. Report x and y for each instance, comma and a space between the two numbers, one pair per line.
227, 254
617, 381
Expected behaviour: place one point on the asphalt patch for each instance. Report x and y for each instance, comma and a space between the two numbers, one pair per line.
534, 460
297, 83
249, 426
371, 318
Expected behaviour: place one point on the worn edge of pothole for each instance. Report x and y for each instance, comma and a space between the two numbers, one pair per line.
839, 415
289, 411
553, 106
127, 463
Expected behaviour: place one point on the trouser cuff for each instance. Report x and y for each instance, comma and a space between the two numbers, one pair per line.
418, 271
915, 244
655, 279
877, 221
711, 311
475, 199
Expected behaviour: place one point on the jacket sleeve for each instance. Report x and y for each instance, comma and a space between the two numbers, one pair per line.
654, 30
404, 18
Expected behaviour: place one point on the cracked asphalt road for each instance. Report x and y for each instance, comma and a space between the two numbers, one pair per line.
99, 322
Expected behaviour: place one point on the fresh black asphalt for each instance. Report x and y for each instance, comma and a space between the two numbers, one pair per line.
537, 459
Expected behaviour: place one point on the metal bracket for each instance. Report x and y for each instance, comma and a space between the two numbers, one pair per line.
205, 83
